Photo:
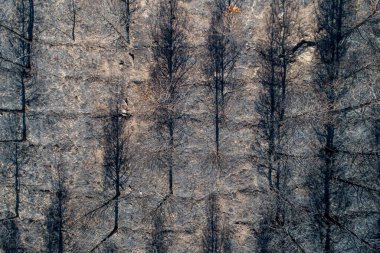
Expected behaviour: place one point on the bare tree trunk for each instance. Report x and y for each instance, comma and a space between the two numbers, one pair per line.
17, 182
74, 9
329, 166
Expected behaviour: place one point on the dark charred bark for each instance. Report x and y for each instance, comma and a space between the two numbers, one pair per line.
10, 237
74, 18
17, 182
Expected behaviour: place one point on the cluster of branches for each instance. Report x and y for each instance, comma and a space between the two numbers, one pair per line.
120, 18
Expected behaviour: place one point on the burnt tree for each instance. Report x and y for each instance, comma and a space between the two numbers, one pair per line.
10, 237
275, 58
130, 7
14, 157
171, 57
74, 9
17, 58
342, 156
116, 165
159, 242
277, 53
216, 234
56, 220
223, 52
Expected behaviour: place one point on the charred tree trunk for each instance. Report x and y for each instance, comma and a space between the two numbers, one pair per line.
74, 18
130, 7
17, 181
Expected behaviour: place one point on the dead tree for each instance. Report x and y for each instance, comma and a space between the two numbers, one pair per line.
20, 37
14, 157
169, 74
15, 61
116, 165
15, 162
276, 57
332, 19
74, 9
10, 237
332, 187
216, 234
159, 240
130, 7
56, 220
26, 11
223, 52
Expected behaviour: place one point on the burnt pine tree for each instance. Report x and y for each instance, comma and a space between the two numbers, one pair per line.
223, 52
55, 222
20, 36
276, 53
26, 14
15, 153
13, 159
130, 7
275, 58
169, 75
10, 236
9, 233
116, 165
159, 239
339, 219
74, 9
216, 234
